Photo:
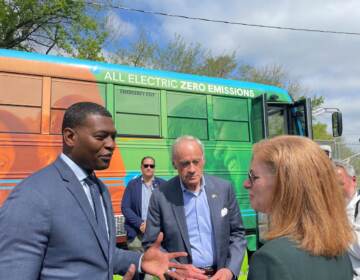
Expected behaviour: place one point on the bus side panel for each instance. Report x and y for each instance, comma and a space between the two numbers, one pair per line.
30, 130
230, 160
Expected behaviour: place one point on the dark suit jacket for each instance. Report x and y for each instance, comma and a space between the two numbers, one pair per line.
131, 205
280, 259
166, 214
49, 232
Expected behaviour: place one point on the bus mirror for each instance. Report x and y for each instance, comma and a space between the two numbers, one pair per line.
336, 118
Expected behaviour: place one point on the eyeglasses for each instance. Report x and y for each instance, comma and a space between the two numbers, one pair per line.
149, 165
252, 177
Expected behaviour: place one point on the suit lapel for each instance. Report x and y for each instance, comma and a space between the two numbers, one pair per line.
76, 189
109, 216
179, 213
215, 203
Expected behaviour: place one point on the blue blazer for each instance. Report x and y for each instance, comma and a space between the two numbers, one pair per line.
49, 232
131, 205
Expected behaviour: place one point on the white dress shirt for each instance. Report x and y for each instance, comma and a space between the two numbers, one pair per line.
354, 250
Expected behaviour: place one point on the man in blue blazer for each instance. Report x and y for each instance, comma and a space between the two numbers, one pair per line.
58, 223
198, 214
135, 202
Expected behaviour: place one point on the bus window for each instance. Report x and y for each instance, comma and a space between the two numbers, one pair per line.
277, 120
187, 114
137, 111
66, 92
20, 103
231, 119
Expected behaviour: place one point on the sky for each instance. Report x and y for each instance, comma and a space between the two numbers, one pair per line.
326, 64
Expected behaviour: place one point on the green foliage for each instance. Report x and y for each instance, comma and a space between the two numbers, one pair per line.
221, 66
317, 101
45, 25
274, 75
177, 55
320, 132
138, 54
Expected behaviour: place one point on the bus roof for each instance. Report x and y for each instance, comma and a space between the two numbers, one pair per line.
106, 72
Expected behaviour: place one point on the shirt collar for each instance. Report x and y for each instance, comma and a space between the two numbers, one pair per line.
202, 186
80, 173
152, 179
353, 200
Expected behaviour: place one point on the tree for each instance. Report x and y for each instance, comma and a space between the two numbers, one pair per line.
45, 25
275, 75
320, 132
138, 54
176, 55
221, 66
179, 56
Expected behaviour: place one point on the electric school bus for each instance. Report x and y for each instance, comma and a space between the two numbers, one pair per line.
150, 109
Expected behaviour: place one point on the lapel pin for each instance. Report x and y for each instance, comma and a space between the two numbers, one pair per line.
214, 195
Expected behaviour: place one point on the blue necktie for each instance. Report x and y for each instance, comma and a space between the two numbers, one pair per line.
94, 187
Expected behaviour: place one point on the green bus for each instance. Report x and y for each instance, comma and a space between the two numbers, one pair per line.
150, 109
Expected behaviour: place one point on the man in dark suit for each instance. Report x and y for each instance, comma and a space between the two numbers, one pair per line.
58, 223
198, 214
135, 202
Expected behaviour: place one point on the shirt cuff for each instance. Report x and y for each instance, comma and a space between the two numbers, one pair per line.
140, 261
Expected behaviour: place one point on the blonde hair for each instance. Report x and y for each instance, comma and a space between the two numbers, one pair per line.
307, 204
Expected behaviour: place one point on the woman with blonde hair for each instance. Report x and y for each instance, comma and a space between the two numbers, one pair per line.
293, 181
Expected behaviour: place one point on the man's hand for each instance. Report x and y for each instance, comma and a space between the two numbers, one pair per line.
223, 274
158, 263
186, 271
130, 273
143, 227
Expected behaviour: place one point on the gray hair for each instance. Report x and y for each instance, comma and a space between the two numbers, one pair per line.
186, 138
346, 166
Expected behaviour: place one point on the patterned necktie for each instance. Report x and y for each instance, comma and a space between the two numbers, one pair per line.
94, 187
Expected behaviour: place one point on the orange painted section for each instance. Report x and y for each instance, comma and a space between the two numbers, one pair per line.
39, 68
45, 108
33, 98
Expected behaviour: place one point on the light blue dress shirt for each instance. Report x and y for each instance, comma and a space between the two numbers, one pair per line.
146, 192
198, 221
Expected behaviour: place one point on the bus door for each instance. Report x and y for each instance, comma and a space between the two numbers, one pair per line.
292, 119
259, 118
